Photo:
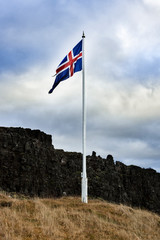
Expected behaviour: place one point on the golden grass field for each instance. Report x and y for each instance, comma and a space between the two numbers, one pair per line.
67, 218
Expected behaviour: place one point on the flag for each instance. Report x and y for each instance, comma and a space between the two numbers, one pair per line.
70, 64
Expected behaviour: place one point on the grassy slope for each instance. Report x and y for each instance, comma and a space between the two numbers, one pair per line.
67, 218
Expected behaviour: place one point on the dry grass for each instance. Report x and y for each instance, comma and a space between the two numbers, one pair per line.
68, 218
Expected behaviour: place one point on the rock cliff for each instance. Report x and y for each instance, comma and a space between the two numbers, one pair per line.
30, 165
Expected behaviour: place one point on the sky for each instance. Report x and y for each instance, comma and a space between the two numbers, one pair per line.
122, 72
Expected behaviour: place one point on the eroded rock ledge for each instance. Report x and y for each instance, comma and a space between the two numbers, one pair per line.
30, 165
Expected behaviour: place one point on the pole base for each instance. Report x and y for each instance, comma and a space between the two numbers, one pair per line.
84, 190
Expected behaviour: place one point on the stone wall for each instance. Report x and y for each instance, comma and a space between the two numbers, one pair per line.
30, 165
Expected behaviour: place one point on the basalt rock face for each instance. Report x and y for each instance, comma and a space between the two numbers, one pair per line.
30, 165
26, 160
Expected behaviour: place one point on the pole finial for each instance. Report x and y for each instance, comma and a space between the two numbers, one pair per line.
83, 36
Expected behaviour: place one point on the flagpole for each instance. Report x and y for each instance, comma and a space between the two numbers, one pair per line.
84, 173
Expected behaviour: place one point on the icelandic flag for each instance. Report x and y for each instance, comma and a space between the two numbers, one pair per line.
70, 64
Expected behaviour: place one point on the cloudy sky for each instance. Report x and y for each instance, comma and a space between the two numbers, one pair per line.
122, 69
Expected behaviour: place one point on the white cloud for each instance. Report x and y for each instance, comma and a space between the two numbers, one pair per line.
128, 101
152, 3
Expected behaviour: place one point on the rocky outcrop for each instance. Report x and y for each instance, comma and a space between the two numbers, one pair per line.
30, 165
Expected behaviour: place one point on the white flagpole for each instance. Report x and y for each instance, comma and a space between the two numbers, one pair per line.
84, 173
